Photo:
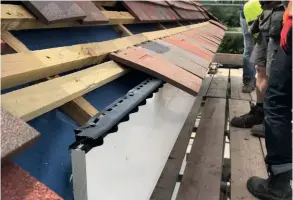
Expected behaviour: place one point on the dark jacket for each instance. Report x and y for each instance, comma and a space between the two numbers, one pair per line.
269, 22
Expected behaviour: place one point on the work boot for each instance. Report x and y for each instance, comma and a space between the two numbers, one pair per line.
258, 130
248, 86
254, 117
276, 187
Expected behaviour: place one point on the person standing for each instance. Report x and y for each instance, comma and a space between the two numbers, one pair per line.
278, 123
267, 27
248, 77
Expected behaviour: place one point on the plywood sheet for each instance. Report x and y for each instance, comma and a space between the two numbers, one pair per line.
138, 58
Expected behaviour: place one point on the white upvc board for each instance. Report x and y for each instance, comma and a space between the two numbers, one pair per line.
129, 163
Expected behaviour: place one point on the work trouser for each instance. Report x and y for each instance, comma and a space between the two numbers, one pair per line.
268, 40
278, 114
248, 67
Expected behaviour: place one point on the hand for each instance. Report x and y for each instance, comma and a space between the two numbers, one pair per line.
285, 34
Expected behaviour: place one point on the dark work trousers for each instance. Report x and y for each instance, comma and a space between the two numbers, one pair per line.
278, 114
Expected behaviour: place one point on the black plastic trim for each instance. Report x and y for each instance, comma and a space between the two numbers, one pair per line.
92, 133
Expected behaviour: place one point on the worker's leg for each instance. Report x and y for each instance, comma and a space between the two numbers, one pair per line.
261, 83
248, 77
278, 131
273, 46
261, 86
256, 114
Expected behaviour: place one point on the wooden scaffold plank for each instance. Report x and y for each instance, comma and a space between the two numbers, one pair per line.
236, 85
219, 84
202, 176
247, 157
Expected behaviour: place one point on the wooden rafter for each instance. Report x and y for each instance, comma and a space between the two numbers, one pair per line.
160, 26
122, 30
13, 42
79, 109
33, 101
33, 65
25, 67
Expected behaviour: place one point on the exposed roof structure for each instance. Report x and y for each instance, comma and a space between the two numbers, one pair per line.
69, 64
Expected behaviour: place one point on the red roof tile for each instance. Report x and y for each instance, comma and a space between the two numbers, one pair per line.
17, 184
140, 59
